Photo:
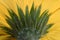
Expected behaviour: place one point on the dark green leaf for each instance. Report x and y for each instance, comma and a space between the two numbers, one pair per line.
27, 16
9, 31
21, 15
14, 18
37, 13
42, 20
32, 12
44, 30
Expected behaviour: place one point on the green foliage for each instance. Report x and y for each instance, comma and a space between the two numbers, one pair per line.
29, 26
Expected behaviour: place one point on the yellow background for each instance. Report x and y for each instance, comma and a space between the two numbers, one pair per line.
54, 32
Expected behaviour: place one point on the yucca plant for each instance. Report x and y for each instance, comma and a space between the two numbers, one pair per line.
29, 26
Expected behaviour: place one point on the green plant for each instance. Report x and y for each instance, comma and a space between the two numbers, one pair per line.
29, 26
